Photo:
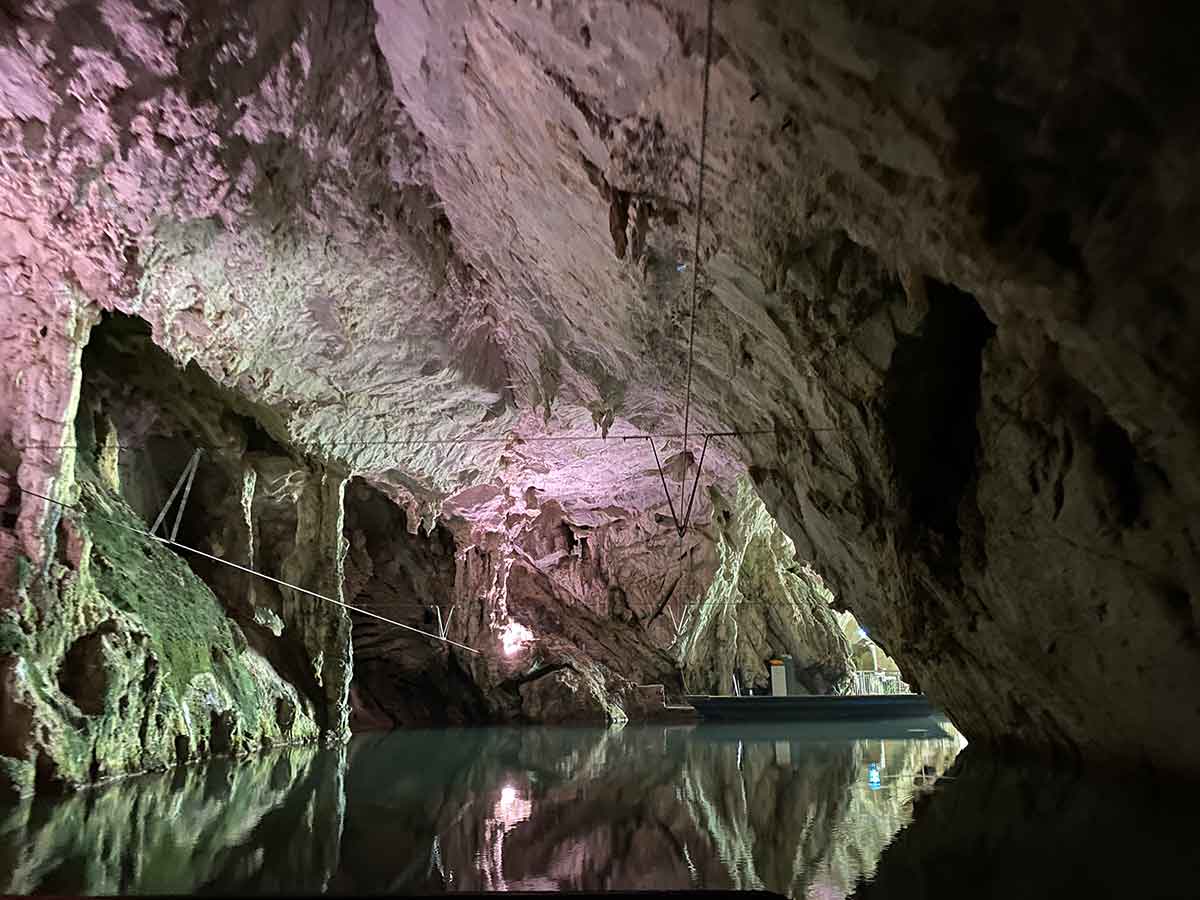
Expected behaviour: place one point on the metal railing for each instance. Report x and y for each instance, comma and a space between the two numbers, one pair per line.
878, 682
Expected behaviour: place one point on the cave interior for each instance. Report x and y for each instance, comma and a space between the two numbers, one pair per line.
461, 309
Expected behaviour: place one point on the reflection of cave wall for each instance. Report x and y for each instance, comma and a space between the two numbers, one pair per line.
270, 824
401, 678
794, 816
996, 830
640, 808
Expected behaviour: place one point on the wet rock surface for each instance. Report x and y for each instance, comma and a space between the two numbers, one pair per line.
762, 602
575, 615
944, 262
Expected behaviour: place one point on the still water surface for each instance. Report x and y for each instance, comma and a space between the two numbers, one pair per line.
803, 811
800, 810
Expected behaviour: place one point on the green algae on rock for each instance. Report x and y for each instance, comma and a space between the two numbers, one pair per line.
133, 664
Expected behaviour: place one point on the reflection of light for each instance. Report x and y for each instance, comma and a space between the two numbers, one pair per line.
873, 780
515, 636
862, 632
511, 809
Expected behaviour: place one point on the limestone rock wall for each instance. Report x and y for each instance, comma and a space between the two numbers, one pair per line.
575, 611
123, 654
577, 658
945, 261
761, 602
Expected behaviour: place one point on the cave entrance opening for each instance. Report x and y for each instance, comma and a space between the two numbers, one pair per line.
874, 671
757, 601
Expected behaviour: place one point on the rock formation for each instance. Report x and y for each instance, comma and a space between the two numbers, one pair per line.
126, 655
761, 598
943, 271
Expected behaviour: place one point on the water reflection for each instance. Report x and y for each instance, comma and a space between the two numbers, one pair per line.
789, 809
997, 830
268, 825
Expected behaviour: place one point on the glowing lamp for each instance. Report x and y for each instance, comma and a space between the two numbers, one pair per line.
514, 636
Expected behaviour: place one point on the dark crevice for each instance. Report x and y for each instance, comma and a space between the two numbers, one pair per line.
618, 221
257, 438
10, 461
402, 678
1117, 460
931, 399
83, 676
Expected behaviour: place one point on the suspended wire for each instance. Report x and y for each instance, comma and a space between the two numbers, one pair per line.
178, 546
515, 439
687, 401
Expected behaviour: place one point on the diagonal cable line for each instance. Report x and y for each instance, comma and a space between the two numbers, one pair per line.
687, 402
178, 546
468, 439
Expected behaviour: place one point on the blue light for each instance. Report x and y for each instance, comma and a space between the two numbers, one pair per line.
873, 779
679, 267
862, 632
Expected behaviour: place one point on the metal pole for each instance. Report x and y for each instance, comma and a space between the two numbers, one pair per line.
174, 493
187, 490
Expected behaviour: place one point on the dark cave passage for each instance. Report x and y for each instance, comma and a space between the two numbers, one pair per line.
401, 678
932, 393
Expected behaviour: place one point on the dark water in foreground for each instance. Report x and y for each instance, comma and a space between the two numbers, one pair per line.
798, 810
